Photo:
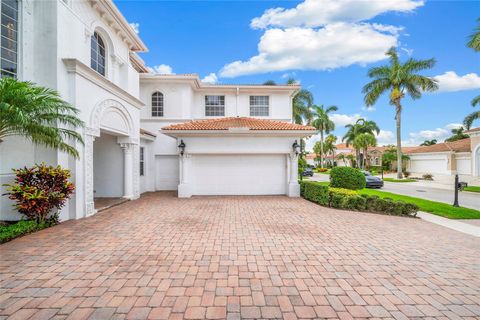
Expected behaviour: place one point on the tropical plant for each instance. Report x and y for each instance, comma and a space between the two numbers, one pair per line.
362, 142
469, 119
474, 38
302, 105
458, 134
270, 83
361, 126
390, 155
399, 79
352, 159
39, 190
323, 124
429, 142
38, 114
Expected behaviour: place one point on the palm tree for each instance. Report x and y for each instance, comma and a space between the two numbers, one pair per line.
342, 157
270, 83
302, 105
457, 135
429, 142
468, 121
474, 43
330, 147
323, 124
359, 127
362, 142
38, 114
351, 158
399, 79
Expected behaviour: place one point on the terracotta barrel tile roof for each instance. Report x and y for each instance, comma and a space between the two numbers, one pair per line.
473, 130
238, 122
455, 146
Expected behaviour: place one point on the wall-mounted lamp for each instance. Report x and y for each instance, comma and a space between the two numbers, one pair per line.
296, 147
181, 146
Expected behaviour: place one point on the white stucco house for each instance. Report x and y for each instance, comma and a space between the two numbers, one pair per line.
236, 139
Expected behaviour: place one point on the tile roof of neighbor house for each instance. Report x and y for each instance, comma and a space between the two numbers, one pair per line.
238, 122
455, 146
473, 130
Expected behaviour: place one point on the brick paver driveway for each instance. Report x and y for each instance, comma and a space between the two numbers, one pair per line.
240, 257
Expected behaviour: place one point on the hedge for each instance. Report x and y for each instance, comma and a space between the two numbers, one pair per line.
347, 199
20, 228
347, 178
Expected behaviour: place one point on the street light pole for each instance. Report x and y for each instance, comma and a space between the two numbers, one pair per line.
455, 203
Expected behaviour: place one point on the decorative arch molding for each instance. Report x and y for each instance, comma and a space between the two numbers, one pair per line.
97, 27
105, 107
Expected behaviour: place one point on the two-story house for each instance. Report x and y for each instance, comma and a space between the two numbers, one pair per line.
143, 132
234, 139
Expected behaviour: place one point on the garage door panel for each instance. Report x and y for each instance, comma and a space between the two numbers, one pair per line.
239, 174
166, 173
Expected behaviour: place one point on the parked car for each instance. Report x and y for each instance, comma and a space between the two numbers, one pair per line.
372, 181
308, 172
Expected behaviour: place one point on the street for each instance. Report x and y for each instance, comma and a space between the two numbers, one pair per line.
465, 199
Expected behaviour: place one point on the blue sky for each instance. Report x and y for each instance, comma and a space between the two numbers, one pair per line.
333, 44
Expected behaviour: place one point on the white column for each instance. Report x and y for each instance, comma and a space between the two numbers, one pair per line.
88, 161
293, 186
184, 189
127, 170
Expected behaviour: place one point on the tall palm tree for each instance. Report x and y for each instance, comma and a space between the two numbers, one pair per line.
468, 121
429, 142
399, 79
361, 126
330, 147
323, 124
362, 142
38, 114
302, 105
474, 43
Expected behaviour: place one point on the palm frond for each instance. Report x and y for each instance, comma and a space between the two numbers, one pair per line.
475, 101
469, 119
474, 38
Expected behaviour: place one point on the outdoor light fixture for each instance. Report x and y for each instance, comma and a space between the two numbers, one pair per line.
181, 146
296, 147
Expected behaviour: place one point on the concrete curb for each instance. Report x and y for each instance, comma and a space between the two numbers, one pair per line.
449, 223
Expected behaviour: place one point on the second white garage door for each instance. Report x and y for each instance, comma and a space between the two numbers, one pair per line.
239, 174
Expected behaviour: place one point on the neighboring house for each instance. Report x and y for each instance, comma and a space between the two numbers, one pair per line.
86, 50
448, 158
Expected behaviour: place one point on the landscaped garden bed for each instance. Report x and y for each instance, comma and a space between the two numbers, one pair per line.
12, 230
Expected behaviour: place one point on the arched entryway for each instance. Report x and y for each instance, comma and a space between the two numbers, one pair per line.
110, 153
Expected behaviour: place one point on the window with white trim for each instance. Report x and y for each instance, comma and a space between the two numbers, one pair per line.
97, 52
259, 106
157, 104
9, 29
142, 161
214, 106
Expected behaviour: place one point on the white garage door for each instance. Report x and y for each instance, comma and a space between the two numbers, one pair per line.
238, 174
419, 165
166, 172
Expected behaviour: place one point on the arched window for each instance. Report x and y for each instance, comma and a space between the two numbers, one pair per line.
97, 54
157, 104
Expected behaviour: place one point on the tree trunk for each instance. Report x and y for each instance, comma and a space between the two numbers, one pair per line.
398, 118
321, 148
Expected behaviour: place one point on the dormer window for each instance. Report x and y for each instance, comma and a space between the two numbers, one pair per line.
157, 104
214, 106
259, 106
97, 51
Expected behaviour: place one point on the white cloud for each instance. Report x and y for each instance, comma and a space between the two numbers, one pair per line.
450, 81
315, 13
333, 46
161, 69
135, 26
342, 120
440, 134
368, 109
385, 137
211, 78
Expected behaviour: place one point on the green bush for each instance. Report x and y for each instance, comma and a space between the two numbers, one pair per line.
315, 192
347, 199
348, 178
20, 228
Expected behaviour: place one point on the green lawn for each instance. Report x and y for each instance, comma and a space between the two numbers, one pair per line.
472, 189
399, 180
437, 208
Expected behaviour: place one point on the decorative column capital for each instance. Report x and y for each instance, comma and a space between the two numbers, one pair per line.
126, 147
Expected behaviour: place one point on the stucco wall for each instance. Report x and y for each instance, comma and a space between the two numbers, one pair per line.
107, 167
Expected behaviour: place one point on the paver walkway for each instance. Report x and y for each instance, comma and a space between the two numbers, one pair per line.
240, 257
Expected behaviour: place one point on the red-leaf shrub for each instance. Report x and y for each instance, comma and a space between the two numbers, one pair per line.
39, 190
